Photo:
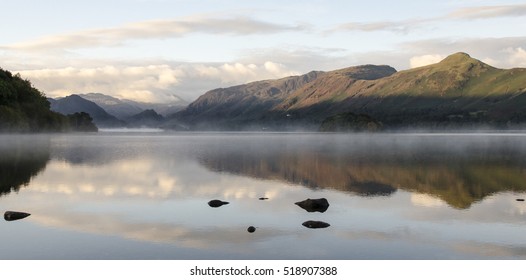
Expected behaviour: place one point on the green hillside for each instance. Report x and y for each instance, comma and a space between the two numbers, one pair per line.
459, 91
24, 108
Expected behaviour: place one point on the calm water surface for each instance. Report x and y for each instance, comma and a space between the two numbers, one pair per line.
144, 196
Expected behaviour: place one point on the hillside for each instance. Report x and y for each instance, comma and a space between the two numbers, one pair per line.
24, 108
76, 104
146, 118
240, 105
459, 91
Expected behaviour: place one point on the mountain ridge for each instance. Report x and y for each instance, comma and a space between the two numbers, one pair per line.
457, 91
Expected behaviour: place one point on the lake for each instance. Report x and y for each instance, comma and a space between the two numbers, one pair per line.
134, 195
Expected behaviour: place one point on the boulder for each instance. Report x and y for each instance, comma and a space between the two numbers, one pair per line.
314, 205
251, 229
13, 216
217, 203
315, 224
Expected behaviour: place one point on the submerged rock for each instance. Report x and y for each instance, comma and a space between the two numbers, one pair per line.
251, 229
217, 203
13, 216
315, 224
314, 205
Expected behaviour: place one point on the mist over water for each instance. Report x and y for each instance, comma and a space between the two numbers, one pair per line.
131, 195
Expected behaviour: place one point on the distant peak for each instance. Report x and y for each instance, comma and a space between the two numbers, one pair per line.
460, 55
457, 57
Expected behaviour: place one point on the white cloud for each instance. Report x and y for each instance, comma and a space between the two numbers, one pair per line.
517, 56
153, 29
151, 83
423, 60
467, 13
401, 26
503, 52
482, 12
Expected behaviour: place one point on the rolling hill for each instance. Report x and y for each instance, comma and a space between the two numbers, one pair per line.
459, 91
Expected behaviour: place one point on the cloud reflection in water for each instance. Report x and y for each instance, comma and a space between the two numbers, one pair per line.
384, 194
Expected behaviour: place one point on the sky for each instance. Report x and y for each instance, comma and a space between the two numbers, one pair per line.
163, 51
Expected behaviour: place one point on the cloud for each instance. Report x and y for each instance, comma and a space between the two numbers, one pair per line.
517, 56
161, 80
504, 52
299, 58
404, 26
484, 12
374, 26
154, 82
393, 26
423, 60
153, 29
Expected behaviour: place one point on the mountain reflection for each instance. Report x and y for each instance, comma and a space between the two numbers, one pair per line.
459, 173
21, 158
459, 170
152, 192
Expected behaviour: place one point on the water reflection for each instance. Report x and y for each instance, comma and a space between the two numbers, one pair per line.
392, 196
460, 170
457, 169
21, 158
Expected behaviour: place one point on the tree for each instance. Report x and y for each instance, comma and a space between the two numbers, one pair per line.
82, 122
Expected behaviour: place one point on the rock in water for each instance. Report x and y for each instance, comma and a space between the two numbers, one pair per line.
217, 203
315, 224
251, 229
314, 205
263, 198
13, 216
520, 199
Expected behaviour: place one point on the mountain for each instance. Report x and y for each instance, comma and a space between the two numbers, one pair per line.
124, 108
23, 108
264, 103
76, 104
112, 105
241, 104
458, 91
146, 118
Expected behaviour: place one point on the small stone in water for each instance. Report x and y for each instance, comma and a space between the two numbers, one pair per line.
216, 203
